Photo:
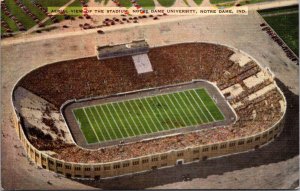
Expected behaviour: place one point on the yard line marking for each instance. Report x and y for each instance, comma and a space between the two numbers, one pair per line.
154, 115
177, 110
199, 106
150, 96
159, 112
96, 123
151, 118
137, 127
185, 105
205, 106
109, 122
104, 126
193, 107
182, 110
140, 122
91, 124
128, 135
165, 112
169, 108
139, 118
125, 118
215, 104
114, 120
143, 116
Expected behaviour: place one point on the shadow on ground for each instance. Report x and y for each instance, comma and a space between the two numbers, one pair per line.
285, 147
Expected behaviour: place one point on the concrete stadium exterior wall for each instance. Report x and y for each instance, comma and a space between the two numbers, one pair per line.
149, 162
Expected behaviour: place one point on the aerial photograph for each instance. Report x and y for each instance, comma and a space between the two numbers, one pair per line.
149, 94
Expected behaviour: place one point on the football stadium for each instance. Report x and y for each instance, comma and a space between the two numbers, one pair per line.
135, 108
151, 100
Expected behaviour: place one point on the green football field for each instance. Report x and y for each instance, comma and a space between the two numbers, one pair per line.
141, 116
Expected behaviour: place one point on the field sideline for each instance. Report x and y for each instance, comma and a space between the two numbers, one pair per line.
130, 118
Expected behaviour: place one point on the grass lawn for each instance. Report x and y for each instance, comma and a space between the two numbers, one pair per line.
26, 20
166, 3
220, 1
226, 5
286, 25
36, 11
146, 4
55, 3
126, 3
279, 10
252, 2
11, 23
141, 116
198, 2
20, 14
76, 3
52, 3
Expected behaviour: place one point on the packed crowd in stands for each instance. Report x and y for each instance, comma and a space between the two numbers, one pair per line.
89, 77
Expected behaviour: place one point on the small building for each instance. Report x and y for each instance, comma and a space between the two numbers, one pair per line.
138, 50
129, 49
